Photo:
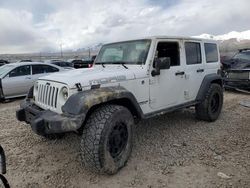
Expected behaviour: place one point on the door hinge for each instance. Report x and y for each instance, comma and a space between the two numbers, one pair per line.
151, 81
186, 94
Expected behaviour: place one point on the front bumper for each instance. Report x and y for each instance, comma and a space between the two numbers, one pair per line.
45, 122
237, 83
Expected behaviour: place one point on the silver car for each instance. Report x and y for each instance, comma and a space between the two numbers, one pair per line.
17, 78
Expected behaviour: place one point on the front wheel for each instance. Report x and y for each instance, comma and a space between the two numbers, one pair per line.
107, 139
53, 136
209, 109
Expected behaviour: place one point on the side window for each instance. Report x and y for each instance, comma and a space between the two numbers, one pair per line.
193, 53
211, 52
57, 63
20, 71
171, 50
37, 69
42, 69
50, 69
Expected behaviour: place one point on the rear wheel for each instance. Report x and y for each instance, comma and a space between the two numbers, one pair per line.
107, 139
209, 109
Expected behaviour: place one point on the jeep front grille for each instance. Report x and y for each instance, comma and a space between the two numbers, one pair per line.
238, 75
47, 95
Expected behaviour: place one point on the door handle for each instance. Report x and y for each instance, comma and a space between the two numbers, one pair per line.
179, 73
200, 70
28, 78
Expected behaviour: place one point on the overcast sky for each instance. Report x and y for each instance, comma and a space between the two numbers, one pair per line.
42, 25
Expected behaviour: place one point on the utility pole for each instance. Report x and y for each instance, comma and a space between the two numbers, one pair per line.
89, 52
61, 50
41, 56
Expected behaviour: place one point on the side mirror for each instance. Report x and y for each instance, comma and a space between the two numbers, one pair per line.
161, 63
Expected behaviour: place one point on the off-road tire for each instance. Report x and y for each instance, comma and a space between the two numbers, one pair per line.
96, 139
209, 109
53, 136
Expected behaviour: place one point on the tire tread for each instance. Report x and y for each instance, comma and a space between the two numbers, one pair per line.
91, 137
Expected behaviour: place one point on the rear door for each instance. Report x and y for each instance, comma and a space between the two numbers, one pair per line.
212, 60
194, 71
17, 82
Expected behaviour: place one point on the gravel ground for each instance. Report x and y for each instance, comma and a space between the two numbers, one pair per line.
173, 150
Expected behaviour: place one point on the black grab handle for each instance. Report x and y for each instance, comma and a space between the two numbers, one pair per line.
179, 73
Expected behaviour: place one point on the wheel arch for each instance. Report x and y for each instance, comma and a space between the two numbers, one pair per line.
206, 82
86, 102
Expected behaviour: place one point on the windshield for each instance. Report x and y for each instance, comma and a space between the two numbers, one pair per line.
243, 55
5, 69
131, 52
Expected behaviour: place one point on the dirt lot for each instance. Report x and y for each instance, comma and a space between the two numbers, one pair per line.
173, 150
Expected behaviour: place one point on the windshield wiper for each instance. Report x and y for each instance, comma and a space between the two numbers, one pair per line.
115, 63
101, 64
121, 63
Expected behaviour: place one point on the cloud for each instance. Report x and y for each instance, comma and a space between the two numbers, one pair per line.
77, 23
17, 33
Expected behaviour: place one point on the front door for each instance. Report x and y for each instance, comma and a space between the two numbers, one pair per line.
17, 82
166, 89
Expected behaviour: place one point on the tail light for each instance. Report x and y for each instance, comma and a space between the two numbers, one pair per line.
90, 65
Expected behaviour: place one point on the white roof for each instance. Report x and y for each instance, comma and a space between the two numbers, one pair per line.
28, 63
170, 37
32, 63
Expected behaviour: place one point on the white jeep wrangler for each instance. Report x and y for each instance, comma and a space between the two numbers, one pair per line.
129, 81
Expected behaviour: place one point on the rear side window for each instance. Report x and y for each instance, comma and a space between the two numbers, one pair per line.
42, 69
193, 53
211, 52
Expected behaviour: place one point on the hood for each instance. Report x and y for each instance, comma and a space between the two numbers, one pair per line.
236, 64
91, 76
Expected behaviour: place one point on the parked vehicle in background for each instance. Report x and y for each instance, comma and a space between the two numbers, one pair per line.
83, 63
236, 71
64, 64
3, 62
52, 60
24, 60
130, 81
17, 78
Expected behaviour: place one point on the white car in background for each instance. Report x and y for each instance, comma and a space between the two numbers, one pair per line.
17, 78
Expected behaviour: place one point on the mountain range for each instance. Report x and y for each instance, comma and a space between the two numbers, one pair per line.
230, 42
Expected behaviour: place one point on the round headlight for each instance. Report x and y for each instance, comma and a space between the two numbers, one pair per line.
65, 93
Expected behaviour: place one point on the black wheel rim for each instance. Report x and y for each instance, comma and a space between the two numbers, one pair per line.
118, 139
215, 103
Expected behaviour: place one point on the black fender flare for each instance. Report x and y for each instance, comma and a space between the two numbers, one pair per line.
206, 82
82, 102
